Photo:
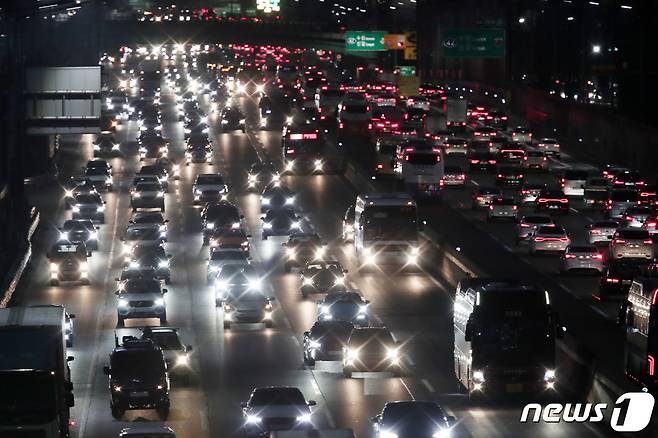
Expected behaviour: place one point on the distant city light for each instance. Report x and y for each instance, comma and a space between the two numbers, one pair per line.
596, 49
521, 20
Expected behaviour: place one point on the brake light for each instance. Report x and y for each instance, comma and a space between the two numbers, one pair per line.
380, 166
651, 362
514, 207
595, 232
539, 239
341, 125
492, 161
564, 239
480, 198
369, 126
654, 297
525, 225
474, 161
569, 256
650, 224
618, 242
290, 151
500, 175
612, 280
564, 200
648, 242
598, 256
491, 207
461, 176
503, 118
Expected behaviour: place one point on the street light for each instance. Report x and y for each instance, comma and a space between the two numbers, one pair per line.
596, 49
521, 20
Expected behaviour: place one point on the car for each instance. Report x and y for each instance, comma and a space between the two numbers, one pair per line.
636, 216
176, 353
150, 217
157, 171
302, 248
413, 418
99, 173
509, 176
521, 134
502, 207
482, 161
198, 155
455, 145
347, 229
137, 179
530, 192
280, 222
147, 195
170, 168
549, 238
512, 154
535, 160
137, 378
454, 176
91, 207
582, 258
484, 196
150, 259
371, 349
77, 185
550, 147
80, 231
651, 225
147, 431
325, 341
631, 243
218, 216
595, 191
344, 306
276, 408
628, 179
617, 278
152, 146
649, 196
142, 234
106, 145
230, 238
241, 301
231, 119
484, 132
225, 256
573, 182
68, 262
262, 174
140, 298
196, 126
601, 232
553, 201
619, 201
69, 332
208, 187
276, 196
529, 224
322, 276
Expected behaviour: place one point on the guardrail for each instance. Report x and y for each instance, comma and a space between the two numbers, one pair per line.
13, 277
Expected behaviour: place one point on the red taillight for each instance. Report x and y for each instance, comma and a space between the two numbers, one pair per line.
491, 207
564, 239
492, 161
475, 161
569, 256
369, 126
341, 125
539, 239
525, 225
597, 256
461, 176
648, 242
500, 175
595, 232
612, 280
564, 200
542, 200
503, 118
380, 166
290, 151
480, 198
618, 242
651, 362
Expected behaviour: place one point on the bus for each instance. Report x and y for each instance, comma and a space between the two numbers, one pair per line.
639, 316
386, 229
505, 336
305, 150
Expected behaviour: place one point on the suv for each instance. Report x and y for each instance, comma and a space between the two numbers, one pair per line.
276, 408
138, 377
629, 243
371, 349
68, 262
218, 216
302, 248
140, 298
176, 353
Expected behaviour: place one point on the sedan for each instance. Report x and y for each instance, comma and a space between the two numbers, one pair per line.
582, 258
147, 195
322, 277
631, 243
325, 341
371, 349
344, 306
529, 224
601, 232
274, 409
484, 196
221, 257
80, 231
90, 207
413, 418
502, 207
454, 176
275, 196
549, 239
280, 222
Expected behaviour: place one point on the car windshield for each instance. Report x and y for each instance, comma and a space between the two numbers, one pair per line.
77, 226
88, 199
624, 196
633, 234
96, 171
136, 233
140, 286
420, 159
137, 363
228, 255
277, 396
416, 414
148, 218
210, 180
148, 187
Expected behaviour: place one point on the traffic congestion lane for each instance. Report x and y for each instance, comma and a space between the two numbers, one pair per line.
409, 303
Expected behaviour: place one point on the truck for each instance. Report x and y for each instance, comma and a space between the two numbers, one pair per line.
420, 168
456, 112
505, 339
386, 229
37, 392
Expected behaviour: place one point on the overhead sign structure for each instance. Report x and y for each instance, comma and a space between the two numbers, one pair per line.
394, 41
268, 6
473, 42
407, 70
61, 100
364, 41
410, 46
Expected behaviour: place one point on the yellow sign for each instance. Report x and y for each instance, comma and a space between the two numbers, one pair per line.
410, 46
394, 41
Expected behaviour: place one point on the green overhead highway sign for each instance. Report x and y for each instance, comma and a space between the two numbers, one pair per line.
407, 70
364, 41
473, 42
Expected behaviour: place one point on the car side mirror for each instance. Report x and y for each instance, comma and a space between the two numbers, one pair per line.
366, 301
375, 419
248, 236
164, 291
307, 334
71, 315
131, 221
97, 228
244, 405
311, 403
166, 221
189, 348
450, 419
70, 358
106, 370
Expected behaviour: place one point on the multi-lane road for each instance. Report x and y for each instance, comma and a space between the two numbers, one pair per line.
416, 307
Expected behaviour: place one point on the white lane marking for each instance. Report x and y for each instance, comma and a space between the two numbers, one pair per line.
574, 210
330, 419
295, 340
475, 183
427, 384
599, 311
409, 360
203, 420
408, 390
315, 386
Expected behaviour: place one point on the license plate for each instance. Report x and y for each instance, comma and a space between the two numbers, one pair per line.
514, 388
553, 206
139, 394
626, 282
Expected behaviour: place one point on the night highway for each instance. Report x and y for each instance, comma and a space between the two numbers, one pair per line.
275, 228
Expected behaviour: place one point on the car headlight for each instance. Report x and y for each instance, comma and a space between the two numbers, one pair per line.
253, 419
242, 121
549, 375
163, 264
136, 195
265, 201
97, 147
290, 200
76, 209
388, 434
54, 267
63, 235
182, 359
100, 209
339, 281
478, 376
317, 163
304, 418
392, 354
289, 120
84, 266
68, 193
296, 225
263, 121
115, 147
315, 345
224, 122
442, 433
221, 284
123, 303
159, 302
260, 88
159, 194
267, 226
210, 226
308, 281
255, 283
352, 354
415, 251
93, 235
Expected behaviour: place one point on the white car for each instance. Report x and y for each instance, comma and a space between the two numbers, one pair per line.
551, 238
601, 231
550, 147
582, 258
631, 243
209, 182
276, 408
221, 257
